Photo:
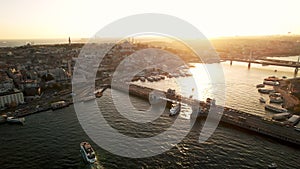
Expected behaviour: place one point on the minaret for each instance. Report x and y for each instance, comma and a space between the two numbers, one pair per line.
69, 41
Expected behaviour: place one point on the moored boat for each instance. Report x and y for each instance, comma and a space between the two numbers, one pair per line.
150, 79
58, 105
142, 79
175, 109
275, 109
162, 77
15, 120
281, 116
274, 95
272, 78
260, 86
277, 100
88, 152
266, 91
262, 100
272, 83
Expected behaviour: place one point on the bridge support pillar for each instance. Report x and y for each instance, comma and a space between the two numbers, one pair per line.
249, 65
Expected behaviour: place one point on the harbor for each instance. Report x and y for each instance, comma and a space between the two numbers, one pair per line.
62, 125
244, 118
231, 116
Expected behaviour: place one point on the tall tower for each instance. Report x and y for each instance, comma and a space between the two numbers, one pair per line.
69, 41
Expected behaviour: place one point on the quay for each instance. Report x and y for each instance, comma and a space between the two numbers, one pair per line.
230, 116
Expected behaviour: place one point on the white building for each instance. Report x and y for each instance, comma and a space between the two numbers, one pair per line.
15, 97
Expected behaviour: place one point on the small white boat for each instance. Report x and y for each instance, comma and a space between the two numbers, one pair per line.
88, 152
175, 109
15, 120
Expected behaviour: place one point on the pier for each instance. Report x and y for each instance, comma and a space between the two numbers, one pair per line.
230, 116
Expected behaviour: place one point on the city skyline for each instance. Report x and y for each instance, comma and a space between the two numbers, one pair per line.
82, 19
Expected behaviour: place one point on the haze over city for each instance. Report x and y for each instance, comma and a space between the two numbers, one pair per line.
34, 19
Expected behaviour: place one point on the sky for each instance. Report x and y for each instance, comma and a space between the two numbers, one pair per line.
41, 19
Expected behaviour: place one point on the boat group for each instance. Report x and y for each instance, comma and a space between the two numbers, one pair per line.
274, 98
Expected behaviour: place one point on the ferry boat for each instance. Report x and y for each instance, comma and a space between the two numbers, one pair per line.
15, 120
275, 109
88, 152
175, 109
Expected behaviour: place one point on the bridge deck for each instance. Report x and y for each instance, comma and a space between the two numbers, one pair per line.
273, 62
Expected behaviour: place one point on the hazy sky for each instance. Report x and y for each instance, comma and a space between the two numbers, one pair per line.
23, 19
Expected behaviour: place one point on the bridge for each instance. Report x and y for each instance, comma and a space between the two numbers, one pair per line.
266, 62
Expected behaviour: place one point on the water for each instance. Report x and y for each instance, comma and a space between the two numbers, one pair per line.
239, 85
51, 139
